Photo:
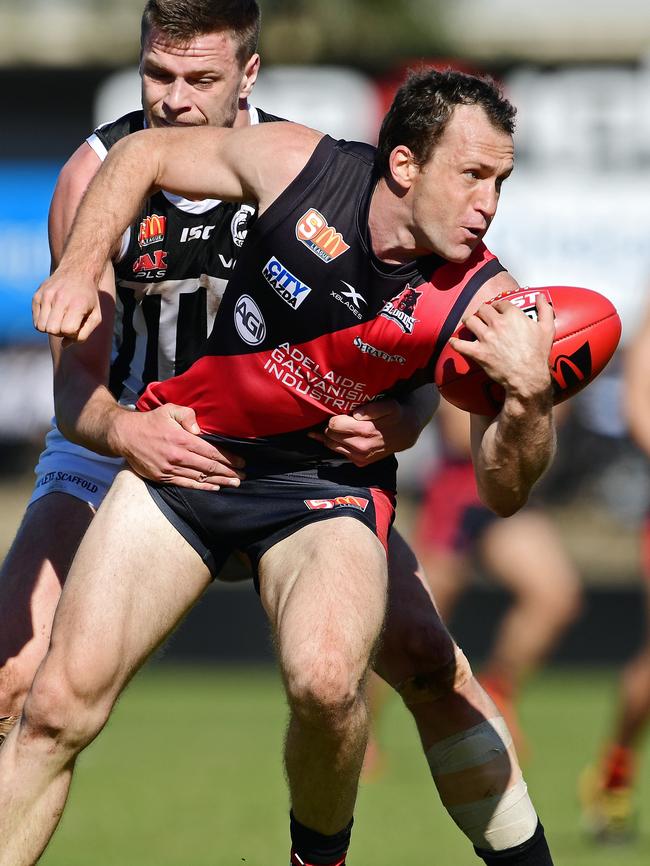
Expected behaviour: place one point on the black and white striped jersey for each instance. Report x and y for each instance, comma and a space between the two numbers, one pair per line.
170, 273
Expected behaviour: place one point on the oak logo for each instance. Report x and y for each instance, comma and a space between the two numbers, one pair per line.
151, 265
152, 230
322, 239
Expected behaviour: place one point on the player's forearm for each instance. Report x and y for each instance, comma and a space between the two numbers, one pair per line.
110, 204
89, 415
514, 451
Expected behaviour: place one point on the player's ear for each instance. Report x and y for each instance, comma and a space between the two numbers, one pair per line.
403, 167
249, 76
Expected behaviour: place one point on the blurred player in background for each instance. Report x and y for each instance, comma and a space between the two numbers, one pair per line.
522, 553
607, 789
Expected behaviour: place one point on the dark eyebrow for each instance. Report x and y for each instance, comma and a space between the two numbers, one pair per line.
196, 73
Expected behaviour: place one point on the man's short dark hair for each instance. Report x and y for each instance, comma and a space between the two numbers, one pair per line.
184, 20
424, 104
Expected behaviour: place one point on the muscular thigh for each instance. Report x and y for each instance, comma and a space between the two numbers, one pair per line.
324, 590
415, 639
36, 568
131, 581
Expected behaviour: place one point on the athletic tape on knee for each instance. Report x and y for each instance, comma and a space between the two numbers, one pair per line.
430, 686
470, 748
493, 823
499, 822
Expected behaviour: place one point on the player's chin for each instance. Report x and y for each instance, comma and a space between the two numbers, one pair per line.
459, 253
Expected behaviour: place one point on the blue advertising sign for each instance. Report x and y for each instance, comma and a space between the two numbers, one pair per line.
24, 255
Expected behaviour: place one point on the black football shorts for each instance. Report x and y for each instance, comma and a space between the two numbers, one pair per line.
253, 517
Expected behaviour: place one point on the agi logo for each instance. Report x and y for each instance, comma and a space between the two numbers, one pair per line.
284, 284
322, 239
249, 321
152, 230
357, 502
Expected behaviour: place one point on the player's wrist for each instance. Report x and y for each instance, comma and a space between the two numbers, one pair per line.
119, 424
531, 393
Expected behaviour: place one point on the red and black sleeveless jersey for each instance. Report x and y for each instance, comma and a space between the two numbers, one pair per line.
171, 272
312, 323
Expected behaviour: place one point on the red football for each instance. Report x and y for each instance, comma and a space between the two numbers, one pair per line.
587, 331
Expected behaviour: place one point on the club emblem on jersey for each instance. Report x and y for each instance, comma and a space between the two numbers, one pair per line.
401, 309
240, 223
249, 321
152, 230
289, 288
322, 239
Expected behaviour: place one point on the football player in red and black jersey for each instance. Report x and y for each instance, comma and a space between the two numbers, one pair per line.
297, 340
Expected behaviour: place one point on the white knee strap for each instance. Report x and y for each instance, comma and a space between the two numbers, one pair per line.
493, 823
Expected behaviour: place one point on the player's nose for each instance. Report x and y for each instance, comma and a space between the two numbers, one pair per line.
177, 96
487, 200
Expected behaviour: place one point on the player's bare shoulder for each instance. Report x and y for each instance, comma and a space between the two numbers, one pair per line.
279, 153
76, 174
71, 184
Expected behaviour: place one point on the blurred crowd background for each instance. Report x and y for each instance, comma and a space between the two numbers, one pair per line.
575, 212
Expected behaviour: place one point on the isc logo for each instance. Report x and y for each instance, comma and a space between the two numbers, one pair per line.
249, 321
322, 239
338, 502
283, 283
197, 233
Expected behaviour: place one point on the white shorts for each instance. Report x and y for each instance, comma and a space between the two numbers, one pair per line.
64, 467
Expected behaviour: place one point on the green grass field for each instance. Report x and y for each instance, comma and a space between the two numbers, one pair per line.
188, 773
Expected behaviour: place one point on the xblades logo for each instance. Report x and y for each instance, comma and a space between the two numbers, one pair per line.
354, 296
351, 299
